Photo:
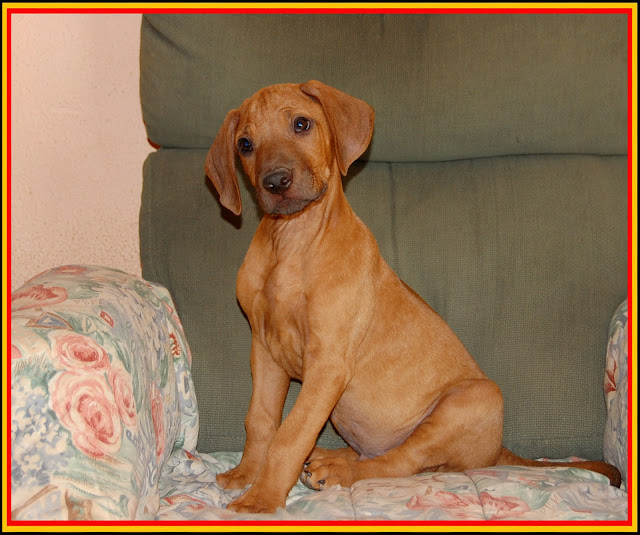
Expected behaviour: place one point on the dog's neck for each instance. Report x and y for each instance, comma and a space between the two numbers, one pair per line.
324, 217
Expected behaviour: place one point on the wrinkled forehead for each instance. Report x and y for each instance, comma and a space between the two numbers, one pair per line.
286, 100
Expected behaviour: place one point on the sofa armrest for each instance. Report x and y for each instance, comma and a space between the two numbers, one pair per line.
101, 393
616, 393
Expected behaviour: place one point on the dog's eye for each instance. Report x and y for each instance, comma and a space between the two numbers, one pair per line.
300, 124
244, 145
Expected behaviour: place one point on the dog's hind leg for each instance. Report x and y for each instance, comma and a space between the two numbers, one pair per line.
463, 431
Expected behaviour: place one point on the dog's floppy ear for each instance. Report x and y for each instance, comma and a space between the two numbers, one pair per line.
220, 164
350, 120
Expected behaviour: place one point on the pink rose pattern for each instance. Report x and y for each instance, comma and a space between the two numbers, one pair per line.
95, 375
76, 351
466, 506
469, 506
71, 270
122, 388
157, 413
86, 406
499, 507
37, 295
89, 407
610, 377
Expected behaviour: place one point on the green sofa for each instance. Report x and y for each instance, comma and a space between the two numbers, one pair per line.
496, 185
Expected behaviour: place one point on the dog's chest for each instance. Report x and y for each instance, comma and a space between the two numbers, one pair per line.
275, 304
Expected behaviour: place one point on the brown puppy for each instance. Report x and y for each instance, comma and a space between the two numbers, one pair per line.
326, 309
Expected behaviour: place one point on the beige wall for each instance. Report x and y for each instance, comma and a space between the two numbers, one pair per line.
78, 142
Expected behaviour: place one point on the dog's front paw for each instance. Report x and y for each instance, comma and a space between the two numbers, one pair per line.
255, 501
326, 472
236, 478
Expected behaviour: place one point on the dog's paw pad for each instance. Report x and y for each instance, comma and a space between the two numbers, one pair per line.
325, 473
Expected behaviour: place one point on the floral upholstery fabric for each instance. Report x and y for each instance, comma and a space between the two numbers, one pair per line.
104, 425
189, 492
616, 393
101, 394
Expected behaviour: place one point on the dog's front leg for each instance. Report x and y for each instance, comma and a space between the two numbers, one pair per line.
270, 386
321, 389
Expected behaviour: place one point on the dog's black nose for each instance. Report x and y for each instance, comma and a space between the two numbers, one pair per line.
277, 182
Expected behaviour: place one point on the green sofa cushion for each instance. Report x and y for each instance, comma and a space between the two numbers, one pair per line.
524, 256
444, 86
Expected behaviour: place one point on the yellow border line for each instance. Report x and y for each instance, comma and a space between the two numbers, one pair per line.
633, 111
5, 285
454, 6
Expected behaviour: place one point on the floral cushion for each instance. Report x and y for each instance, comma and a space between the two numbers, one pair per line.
616, 393
101, 395
505, 493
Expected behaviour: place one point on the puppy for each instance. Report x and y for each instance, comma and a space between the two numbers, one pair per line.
327, 310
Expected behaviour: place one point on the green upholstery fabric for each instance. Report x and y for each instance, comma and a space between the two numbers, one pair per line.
444, 86
523, 253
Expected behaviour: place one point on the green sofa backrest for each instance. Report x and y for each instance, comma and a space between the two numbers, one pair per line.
496, 185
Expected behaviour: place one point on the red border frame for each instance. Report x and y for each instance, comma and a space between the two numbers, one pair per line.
351, 10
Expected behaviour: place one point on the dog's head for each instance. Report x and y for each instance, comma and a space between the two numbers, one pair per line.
291, 139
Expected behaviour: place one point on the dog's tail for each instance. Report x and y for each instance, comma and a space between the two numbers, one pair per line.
509, 458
